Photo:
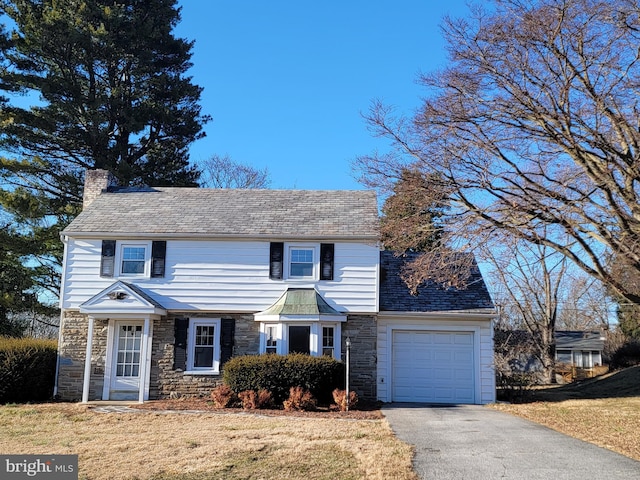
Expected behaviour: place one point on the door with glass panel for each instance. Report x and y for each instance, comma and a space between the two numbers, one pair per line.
125, 371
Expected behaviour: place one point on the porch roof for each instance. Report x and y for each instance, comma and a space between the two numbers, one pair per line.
300, 302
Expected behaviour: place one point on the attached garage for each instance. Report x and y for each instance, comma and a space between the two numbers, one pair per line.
432, 367
434, 344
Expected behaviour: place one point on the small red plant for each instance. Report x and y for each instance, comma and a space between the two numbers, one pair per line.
340, 397
248, 399
264, 399
223, 396
299, 400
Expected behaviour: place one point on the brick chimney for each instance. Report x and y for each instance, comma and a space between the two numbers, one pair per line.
96, 182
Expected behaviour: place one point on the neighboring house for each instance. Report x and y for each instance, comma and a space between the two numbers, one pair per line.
161, 286
581, 349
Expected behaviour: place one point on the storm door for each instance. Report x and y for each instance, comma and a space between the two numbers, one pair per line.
126, 359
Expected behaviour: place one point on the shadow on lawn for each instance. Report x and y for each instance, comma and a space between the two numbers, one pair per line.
621, 383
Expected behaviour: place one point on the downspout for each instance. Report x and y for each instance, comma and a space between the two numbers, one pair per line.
64, 240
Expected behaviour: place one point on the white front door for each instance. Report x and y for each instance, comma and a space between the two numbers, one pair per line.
126, 367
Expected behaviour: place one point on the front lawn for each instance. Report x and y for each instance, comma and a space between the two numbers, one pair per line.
202, 446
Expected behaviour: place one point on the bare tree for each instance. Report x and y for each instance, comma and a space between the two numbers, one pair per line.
223, 172
539, 291
529, 280
534, 127
585, 304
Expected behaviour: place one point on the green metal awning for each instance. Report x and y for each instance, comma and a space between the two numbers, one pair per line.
301, 304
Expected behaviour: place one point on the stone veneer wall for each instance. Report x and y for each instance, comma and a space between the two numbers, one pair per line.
167, 382
72, 349
362, 331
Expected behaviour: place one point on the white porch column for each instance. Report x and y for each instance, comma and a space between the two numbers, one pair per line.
87, 361
144, 353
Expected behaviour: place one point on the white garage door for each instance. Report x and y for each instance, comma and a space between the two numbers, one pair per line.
433, 367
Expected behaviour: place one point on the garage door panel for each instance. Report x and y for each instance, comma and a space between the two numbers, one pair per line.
433, 367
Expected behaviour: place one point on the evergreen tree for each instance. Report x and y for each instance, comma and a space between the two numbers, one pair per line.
108, 89
411, 216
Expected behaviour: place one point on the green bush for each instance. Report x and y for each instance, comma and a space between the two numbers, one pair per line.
278, 373
27, 369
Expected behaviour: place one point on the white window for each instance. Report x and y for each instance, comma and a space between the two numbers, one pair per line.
313, 338
271, 339
301, 262
328, 341
203, 355
134, 259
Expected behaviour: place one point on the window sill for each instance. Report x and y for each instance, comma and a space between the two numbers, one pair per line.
201, 372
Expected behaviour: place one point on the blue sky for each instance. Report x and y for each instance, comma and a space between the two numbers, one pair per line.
286, 82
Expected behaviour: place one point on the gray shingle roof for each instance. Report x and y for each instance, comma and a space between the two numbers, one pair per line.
396, 296
229, 212
573, 339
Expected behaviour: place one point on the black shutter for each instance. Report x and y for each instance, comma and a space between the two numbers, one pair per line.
326, 261
180, 347
158, 255
227, 334
276, 260
107, 262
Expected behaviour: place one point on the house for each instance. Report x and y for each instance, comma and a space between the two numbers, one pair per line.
580, 349
161, 286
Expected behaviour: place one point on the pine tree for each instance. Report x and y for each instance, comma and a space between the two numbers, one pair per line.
411, 220
107, 84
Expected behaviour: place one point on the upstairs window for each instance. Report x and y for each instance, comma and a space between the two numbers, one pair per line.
133, 259
301, 262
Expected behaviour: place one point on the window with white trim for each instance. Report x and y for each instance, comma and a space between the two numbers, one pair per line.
271, 339
314, 338
133, 259
301, 262
203, 354
328, 341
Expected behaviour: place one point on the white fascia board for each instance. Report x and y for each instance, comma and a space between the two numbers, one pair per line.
480, 314
300, 318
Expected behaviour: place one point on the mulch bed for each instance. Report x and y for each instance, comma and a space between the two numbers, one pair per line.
361, 412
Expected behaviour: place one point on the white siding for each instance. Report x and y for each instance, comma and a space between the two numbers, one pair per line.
484, 381
225, 276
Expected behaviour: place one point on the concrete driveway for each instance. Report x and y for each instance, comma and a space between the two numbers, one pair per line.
469, 442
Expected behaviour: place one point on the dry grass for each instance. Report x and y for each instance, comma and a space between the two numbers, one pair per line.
604, 411
610, 422
202, 446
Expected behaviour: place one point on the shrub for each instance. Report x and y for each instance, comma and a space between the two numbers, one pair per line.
278, 373
248, 399
252, 400
27, 369
264, 399
299, 400
340, 398
223, 396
